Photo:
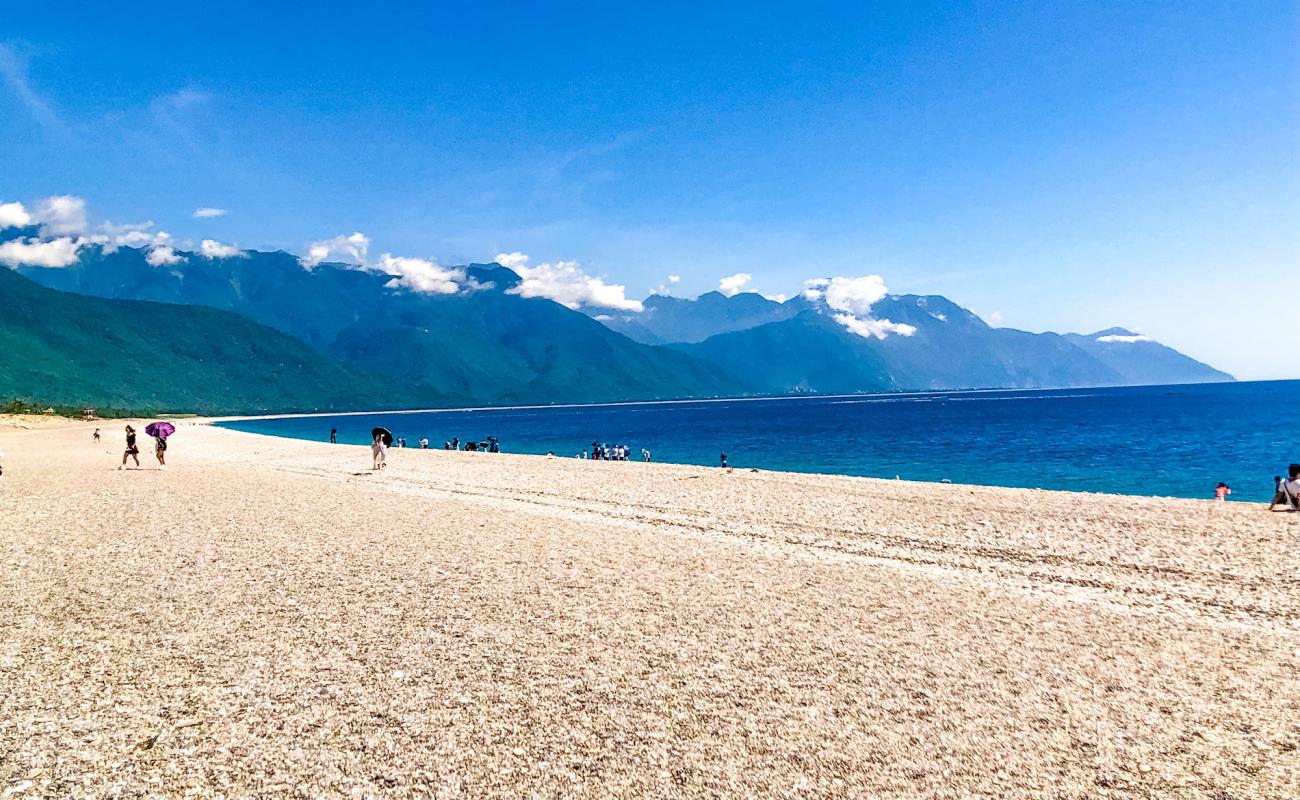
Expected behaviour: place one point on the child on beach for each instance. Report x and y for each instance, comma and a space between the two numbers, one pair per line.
1222, 491
131, 450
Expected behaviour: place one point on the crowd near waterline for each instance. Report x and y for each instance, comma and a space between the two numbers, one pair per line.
1286, 488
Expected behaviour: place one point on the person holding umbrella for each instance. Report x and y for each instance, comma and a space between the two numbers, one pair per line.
160, 431
380, 439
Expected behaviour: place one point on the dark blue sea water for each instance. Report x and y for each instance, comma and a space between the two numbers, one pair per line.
1175, 441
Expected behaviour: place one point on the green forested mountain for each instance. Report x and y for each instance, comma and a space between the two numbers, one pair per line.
63, 348
481, 345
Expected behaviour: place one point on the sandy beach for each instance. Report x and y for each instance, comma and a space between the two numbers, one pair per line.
267, 618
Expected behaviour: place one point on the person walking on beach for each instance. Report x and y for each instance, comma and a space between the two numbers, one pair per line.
1222, 491
95, 436
379, 452
724, 460
645, 455
334, 435
132, 451
160, 451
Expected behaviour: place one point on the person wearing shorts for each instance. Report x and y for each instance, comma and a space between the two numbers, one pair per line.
160, 451
132, 451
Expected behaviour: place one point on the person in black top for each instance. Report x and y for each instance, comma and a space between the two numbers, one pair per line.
724, 460
160, 451
334, 435
131, 450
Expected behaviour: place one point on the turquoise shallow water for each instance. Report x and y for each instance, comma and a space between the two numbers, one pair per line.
1175, 441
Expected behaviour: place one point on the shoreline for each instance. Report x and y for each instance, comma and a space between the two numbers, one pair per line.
946, 485
681, 401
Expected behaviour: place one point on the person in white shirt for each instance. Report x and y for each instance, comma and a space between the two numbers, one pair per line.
1289, 489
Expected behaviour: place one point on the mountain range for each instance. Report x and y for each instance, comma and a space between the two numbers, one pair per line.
344, 336
132, 355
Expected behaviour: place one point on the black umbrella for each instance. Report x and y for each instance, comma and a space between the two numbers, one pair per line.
382, 432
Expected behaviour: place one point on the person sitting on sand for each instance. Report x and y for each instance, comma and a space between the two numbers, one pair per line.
1289, 490
132, 451
160, 451
379, 452
1222, 491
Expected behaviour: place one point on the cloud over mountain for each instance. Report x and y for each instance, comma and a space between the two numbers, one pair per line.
352, 248
734, 284
14, 215
210, 248
567, 283
163, 256
61, 215
421, 275
61, 252
852, 300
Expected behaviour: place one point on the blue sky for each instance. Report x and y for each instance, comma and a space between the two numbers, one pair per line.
1057, 166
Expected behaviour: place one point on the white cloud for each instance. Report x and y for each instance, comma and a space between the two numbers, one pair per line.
996, 319
352, 248
59, 252
855, 296
13, 215
852, 299
163, 256
779, 297
1115, 338
211, 248
208, 213
816, 288
879, 328
512, 260
421, 275
62, 215
674, 278
139, 234
566, 283
732, 284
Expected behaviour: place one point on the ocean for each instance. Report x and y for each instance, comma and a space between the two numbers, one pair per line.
1173, 441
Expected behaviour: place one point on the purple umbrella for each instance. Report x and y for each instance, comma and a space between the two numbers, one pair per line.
160, 430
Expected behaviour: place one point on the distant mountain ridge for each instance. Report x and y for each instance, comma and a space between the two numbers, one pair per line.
796, 346
481, 345
481, 341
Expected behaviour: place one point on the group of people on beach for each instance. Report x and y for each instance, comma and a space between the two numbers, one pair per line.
133, 450
611, 452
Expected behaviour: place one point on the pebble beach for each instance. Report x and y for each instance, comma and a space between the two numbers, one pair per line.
270, 618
